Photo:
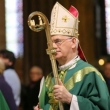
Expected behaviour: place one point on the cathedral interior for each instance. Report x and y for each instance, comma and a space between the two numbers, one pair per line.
92, 33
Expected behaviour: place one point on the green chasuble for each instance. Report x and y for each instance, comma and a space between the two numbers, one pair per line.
3, 104
85, 82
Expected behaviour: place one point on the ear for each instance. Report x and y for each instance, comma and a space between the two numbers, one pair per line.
73, 42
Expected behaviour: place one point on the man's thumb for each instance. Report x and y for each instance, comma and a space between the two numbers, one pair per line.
59, 82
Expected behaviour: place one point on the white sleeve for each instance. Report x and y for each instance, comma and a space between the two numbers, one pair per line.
41, 85
74, 103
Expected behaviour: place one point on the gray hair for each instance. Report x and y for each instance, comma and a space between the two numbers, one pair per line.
77, 41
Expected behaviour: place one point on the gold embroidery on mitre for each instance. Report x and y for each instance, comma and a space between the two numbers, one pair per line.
62, 31
64, 27
65, 18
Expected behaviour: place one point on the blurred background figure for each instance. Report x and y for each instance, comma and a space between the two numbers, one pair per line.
10, 74
106, 73
30, 96
6, 89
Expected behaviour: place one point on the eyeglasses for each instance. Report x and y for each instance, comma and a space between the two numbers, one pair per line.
58, 42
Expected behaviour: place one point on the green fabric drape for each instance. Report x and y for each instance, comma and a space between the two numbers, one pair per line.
3, 103
86, 83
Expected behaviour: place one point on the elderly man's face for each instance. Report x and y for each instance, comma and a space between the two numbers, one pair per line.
63, 46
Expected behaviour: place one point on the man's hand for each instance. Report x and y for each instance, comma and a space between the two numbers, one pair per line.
37, 107
61, 93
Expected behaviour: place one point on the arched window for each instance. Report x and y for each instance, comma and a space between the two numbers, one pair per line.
100, 28
107, 19
14, 26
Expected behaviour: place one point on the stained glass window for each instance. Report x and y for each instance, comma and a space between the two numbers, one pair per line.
14, 26
107, 17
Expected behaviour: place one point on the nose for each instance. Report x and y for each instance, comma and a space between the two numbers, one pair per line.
54, 45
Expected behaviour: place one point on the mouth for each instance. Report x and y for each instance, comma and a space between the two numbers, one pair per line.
57, 52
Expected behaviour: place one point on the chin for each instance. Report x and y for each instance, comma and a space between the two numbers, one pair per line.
58, 57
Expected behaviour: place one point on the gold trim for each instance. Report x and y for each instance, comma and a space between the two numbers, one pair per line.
52, 101
68, 32
48, 80
78, 76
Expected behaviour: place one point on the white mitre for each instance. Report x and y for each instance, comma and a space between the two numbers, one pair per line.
63, 22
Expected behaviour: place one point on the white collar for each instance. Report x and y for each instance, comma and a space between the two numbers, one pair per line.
70, 63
